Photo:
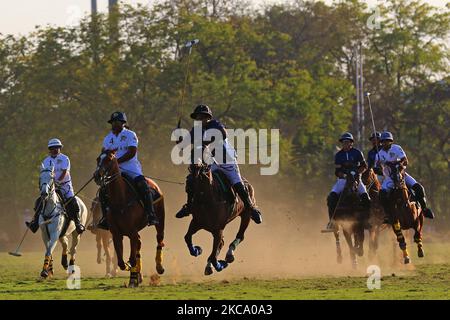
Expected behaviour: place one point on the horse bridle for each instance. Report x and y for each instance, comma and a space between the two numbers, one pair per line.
105, 178
52, 190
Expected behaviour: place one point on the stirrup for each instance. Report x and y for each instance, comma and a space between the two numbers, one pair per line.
428, 213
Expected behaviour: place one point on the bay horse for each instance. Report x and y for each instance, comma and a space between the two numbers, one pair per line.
126, 215
405, 213
55, 224
375, 222
103, 238
351, 217
212, 212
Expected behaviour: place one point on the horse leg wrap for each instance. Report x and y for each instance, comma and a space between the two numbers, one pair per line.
235, 243
159, 255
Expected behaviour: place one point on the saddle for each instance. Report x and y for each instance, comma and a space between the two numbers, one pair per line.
155, 191
225, 189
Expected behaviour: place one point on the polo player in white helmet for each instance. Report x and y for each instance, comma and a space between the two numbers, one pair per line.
63, 183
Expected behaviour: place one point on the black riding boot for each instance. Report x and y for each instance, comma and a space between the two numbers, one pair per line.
245, 197
384, 200
73, 211
145, 192
186, 209
103, 223
332, 201
419, 193
34, 224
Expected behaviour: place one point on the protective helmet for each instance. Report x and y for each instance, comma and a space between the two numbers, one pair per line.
387, 136
201, 109
119, 116
375, 134
54, 143
346, 136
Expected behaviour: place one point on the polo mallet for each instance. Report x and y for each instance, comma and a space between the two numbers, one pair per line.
373, 121
17, 253
189, 45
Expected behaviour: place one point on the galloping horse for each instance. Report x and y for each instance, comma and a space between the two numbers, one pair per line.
54, 223
212, 212
103, 239
126, 215
369, 178
405, 213
351, 217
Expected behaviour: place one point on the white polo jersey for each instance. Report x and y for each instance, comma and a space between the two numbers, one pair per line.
395, 153
125, 139
60, 163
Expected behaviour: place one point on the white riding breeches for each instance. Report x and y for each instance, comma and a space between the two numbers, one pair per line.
231, 171
340, 185
66, 190
388, 184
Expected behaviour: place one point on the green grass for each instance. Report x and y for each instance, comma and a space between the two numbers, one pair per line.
426, 281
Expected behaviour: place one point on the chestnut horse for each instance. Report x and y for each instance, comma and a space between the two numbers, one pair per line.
103, 238
351, 217
406, 214
126, 215
212, 212
375, 223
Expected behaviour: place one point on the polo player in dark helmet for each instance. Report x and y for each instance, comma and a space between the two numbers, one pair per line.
229, 167
125, 142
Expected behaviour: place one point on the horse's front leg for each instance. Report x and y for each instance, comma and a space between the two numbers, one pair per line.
212, 259
373, 241
98, 240
418, 236
348, 238
160, 236
48, 260
134, 274
73, 248
245, 221
65, 244
118, 247
401, 241
338, 245
359, 239
193, 250
104, 240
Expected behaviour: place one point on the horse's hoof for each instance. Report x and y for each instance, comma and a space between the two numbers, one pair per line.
122, 266
196, 251
229, 258
160, 269
140, 278
406, 260
208, 271
220, 265
44, 274
420, 253
64, 261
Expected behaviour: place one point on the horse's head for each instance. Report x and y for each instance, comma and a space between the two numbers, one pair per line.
47, 181
397, 174
104, 165
352, 181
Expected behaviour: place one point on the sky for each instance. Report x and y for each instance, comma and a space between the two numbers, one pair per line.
21, 16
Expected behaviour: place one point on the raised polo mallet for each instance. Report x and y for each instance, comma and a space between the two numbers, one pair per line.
17, 253
189, 45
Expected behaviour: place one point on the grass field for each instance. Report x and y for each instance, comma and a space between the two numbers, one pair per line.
18, 280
